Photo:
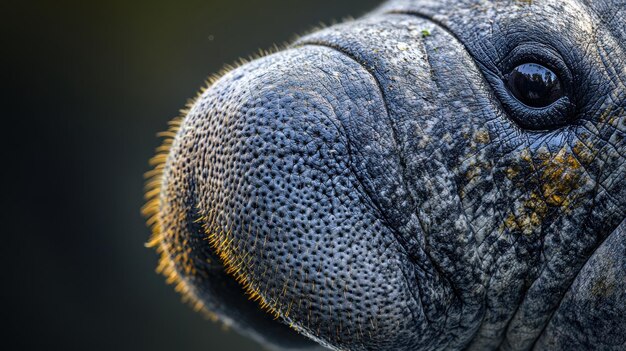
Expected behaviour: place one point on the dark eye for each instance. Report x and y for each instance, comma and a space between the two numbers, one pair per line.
534, 85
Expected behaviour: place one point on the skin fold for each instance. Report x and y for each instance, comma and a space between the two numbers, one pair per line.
376, 186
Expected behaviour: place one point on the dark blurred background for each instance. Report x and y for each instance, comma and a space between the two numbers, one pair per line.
85, 87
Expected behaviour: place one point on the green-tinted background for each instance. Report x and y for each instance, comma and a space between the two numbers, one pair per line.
85, 87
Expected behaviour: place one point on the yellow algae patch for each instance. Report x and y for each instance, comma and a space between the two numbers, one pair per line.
584, 153
555, 178
512, 172
482, 137
528, 216
560, 176
612, 118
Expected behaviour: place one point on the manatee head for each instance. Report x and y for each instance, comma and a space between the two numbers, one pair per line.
434, 175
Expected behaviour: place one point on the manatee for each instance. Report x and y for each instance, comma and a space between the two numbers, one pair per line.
436, 175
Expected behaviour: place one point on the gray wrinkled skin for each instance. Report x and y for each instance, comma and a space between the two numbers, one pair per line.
371, 187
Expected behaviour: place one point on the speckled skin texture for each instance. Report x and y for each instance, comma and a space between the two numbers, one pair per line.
374, 186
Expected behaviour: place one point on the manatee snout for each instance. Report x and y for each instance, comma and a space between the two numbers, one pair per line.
381, 185
294, 169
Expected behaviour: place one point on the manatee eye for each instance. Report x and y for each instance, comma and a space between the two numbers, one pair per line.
534, 85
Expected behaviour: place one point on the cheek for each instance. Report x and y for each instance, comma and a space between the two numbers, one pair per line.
528, 188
